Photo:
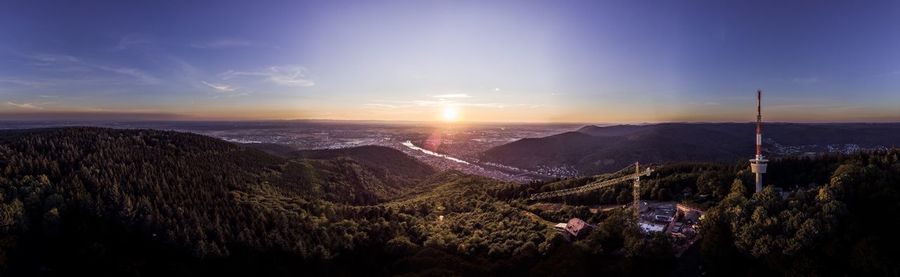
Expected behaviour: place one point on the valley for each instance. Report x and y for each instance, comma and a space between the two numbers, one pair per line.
203, 205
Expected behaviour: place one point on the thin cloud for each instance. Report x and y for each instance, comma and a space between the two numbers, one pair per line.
889, 74
219, 87
287, 75
230, 95
423, 103
379, 105
432, 103
22, 82
290, 76
27, 106
483, 105
222, 43
452, 95
146, 78
130, 41
54, 62
51, 58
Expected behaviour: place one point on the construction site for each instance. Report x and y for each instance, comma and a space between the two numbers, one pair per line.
678, 220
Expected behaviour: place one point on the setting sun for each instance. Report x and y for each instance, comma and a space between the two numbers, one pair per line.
450, 114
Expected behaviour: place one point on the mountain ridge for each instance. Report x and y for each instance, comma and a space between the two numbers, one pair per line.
593, 149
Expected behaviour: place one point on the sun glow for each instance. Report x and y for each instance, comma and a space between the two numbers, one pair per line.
450, 114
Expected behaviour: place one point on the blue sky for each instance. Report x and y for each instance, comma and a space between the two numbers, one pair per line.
534, 61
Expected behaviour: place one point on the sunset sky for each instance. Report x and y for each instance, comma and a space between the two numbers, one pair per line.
499, 61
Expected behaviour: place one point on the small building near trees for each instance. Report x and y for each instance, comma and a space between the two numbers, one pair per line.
574, 229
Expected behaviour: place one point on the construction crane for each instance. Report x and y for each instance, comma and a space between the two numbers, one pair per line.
636, 187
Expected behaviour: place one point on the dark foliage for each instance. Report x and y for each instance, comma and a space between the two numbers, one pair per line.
145, 202
841, 228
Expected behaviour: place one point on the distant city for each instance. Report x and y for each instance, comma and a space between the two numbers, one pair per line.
455, 142
445, 144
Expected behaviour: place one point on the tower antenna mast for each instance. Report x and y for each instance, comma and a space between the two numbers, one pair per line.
758, 163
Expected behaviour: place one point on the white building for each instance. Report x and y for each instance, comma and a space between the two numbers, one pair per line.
651, 227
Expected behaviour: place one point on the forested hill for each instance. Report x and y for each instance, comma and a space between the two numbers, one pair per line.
70, 188
594, 149
92, 201
387, 163
145, 202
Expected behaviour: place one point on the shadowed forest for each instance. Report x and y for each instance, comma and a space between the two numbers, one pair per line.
146, 202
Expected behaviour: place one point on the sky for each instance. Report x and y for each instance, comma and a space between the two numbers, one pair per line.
419, 60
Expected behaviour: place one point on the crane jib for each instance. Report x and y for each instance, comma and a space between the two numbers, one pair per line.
588, 187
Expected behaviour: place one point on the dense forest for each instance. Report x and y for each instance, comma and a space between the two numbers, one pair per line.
147, 202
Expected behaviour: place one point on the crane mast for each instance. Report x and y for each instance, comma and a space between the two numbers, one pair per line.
636, 190
636, 187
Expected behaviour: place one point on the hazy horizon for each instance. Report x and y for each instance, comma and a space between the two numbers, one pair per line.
151, 117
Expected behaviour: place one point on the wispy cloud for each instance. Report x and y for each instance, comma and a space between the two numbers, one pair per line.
533, 106
380, 105
55, 62
49, 59
483, 105
129, 41
889, 74
222, 43
140, 75
805, 80
290, 76
452, 95
432, 103
219, 87
230, 95
27, 106
287, 75
21, 82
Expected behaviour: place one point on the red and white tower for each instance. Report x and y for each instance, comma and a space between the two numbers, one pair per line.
758, 164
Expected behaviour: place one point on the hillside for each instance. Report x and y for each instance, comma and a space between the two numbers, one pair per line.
387, 163
63, 189
145, 202
391, 166
92, 201
594, 149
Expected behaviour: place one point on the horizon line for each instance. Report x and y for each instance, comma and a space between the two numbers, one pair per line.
424, 122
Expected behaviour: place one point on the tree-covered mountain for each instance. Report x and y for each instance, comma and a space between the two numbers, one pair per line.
594, 149
144, 202
81, 200
388, 164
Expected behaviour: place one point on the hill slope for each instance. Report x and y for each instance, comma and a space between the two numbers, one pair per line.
387, 163
81, 201
64, 189
145, 202
594, 149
